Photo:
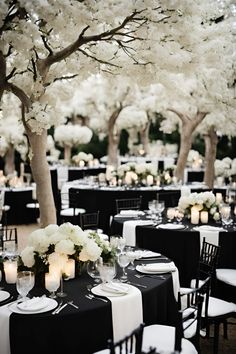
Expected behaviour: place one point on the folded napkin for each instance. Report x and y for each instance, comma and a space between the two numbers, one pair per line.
129, 230
34, 304
170, 226
131, 212
147, 254
4, 329
211, 234
159, 267
115, 288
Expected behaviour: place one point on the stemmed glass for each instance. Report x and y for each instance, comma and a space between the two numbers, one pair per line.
121, 244
107, 271
52, 283
132, 256
123, 261
93, 270
160, 206
61, 293
24, 283
152, 208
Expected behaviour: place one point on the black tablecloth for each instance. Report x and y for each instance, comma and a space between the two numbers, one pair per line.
86, 330
81, 172
182, 246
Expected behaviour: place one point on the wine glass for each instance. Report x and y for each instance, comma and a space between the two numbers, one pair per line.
107, 271
52, 283
93, 270
152, 207
160, 206
132, 256
123, 260
170, 213
24, 283
121, 244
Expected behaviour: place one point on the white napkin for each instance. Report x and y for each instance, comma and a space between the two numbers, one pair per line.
147, 254
115, 288
159, 267
129, 230
127, 312
4, 329
211, 234
165, 267
34, 304
131, 212
170, 226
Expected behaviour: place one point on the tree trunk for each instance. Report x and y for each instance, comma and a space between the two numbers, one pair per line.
144, 136
42, 178
67, 154
9, 167
185, 146
211, 141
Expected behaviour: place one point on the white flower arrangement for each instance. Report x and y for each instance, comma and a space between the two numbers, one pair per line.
201, 201
82, 156
55, 244
72, 135
225, 167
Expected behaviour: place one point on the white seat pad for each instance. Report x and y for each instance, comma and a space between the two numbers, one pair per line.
72, 212
228, 276
218, 307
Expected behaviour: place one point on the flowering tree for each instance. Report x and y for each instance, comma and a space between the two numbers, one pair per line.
71, 135
43, 45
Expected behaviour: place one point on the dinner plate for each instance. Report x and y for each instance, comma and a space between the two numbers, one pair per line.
98, 290
34, 304
141, 269
171, 226
4, 295
52, 304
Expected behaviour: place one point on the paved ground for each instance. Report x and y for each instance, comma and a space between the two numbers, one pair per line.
226, 346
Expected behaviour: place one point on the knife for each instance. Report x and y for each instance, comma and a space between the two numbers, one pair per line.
60, 309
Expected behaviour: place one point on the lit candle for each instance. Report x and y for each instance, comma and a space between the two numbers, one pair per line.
90, 163
204, 217
225, 211
95, 162
194, 216
81, 163
128, 178
52, 281
170, 213
10, 269
69, 268
149, 180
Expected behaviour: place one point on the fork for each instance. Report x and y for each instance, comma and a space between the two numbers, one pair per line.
149, 276
71, 303
91, 297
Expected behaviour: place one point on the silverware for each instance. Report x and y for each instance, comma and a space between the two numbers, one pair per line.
137, 284
91, 297
149, 276
58, 308
72, 304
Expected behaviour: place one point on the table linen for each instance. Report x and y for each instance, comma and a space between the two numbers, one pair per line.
129, 230
211, 234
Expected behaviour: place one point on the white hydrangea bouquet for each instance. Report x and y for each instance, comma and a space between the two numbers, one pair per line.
54, 245
204, 201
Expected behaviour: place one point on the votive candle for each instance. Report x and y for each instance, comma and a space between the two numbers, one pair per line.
194, 216
10, 269
69, 269
204, 217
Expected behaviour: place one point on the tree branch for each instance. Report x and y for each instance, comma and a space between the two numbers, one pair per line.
183, 117
19, 93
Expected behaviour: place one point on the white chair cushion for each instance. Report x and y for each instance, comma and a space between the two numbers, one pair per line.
228, 276
72, 212
6, 207
32, 205
218, 307
163, 338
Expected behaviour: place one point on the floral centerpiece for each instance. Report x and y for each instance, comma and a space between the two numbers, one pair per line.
54, 245
204, 201
82, 159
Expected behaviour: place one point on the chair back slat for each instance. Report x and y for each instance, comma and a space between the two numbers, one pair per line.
129, 344
128, 204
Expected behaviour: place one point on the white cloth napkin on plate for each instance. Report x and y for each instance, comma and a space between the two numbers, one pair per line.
127, 312
170, 226
147, 254
165, 267
129, 230
211, 234
4, 329
34, 304
115, 288
131, 212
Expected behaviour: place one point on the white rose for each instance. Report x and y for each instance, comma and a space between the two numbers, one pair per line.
91, 251
27, 256
65, 246
51, 229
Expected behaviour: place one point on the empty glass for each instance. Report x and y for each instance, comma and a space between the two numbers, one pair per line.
107, 271
160, 206
93, 270
52, 283
123, 261
24, 283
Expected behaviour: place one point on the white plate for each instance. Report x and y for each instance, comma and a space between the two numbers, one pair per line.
52, 304
140, 269
97, 290
171, 226
4, 295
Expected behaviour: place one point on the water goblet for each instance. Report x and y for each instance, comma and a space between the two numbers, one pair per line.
123, 261
132, 256
61, 293
152, 208
107, 271
52, 283
93, 271
24, 283
121, 244
160, 206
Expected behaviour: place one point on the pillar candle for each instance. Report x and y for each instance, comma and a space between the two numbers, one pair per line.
69, 269
204, 217
149, 180
194, 216
219, 197
81, 163
10, 269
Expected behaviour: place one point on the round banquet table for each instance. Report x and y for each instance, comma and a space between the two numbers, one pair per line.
81, 172
94, 198
87, 329
182, 246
